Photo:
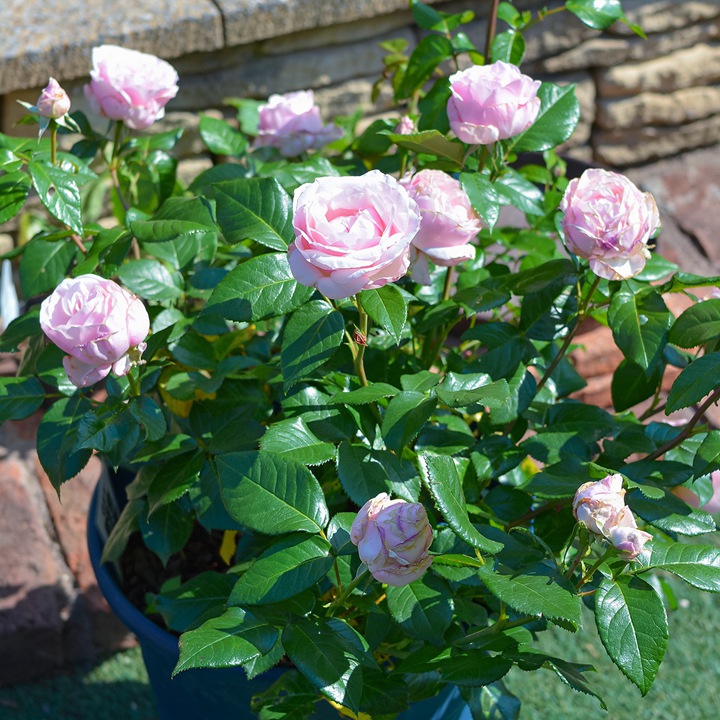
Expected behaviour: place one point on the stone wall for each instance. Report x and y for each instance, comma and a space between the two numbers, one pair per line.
641, 99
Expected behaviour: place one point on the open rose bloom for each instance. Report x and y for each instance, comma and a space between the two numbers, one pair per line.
448, 222
491, 102
608, 221
292, 124
393, 537
130, 86
101, 327
352, 233
600, 506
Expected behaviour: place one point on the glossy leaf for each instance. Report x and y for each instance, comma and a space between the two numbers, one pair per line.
430, 52
431, 142
538, 590
312, 335
19, 397
698, 565
696, 381
442, 479
14, 189
288, 567
597, 14
59, 193
670, 513
150, 279
234, 638
405, 415
44, 266
220, 138
632, 624
260, 288
255, 209
423, 608
387, 307
292, 439
167, 530
270, 494
482, 196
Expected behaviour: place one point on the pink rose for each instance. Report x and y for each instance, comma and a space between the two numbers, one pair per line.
608, 221
53, 101
624, 535
596, 503
352, 233
491, 103
292, 124
448, 222
393, 537
130, 86
99, 324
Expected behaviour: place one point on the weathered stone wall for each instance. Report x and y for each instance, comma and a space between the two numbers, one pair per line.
641, 99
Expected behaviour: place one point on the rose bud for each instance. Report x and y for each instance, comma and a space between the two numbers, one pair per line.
405, 126
597, 502
292, 124
393, 537
130, 86
623, 533
100, 325
352, 233
491, 103
53, 101
608, 221
448, 222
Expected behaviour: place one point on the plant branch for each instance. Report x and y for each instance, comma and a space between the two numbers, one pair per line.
687, 430
492, 25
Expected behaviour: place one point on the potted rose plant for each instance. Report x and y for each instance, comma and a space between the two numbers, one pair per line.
341, 385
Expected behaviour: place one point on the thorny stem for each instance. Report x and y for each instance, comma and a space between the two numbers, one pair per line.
447, 287
134, 384
687, 430
53, 142
360, 345
587, 576
341, 596
501, 624
492, 25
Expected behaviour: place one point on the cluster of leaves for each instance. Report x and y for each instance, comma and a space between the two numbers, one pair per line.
252, 418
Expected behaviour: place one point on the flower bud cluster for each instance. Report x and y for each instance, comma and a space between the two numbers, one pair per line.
600, 506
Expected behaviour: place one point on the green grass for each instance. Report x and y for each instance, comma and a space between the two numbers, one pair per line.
686, 686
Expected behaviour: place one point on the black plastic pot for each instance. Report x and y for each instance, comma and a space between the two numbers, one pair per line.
206, 694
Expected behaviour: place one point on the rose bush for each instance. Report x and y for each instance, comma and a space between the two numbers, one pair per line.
395, 477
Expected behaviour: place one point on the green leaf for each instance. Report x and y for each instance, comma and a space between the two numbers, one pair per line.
177, 218
538, 590
482, 196
234, 638
255, 209
14, 189
44, 266
513, 189
442, 479
473, 389
387, 307
166, 531
698, 565
20, 397
431, 142
632, 624
151, 280
597, 14
260, 288
59, 193
405, 415
292, 439
199, 599
56, 440
508, 46
491, 702
293, 564
696, 381
670, 513
699, 324
364, 395
20, 329
330, 654
431, 51
423, 608
220, 138
174, 478
640, 322
126, 525
270, 494
631, 384
558, 117
312, 335
707, 457
473, 668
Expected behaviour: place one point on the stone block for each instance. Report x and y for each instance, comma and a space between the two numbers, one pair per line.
688, 188
675, 108
55, 37
699, 65
658, 16
622, 148
259, 77
614, 52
